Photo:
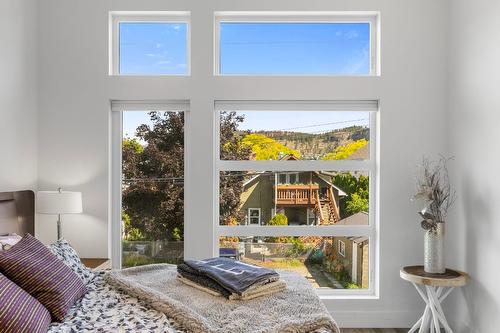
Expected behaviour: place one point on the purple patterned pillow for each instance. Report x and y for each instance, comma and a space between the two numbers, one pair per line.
34, 268
19, 312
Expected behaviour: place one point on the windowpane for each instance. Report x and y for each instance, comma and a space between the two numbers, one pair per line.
294, 135
152, 188
316, 258
153, 48
317, 198
283, 48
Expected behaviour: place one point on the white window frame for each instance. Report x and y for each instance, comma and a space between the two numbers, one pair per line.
341, 248
116, 140
370, 166
370, 17
250, 216
117, 17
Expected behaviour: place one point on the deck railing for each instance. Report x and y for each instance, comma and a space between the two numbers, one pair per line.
296, 194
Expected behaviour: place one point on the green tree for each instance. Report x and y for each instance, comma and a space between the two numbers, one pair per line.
153, 191
357, 190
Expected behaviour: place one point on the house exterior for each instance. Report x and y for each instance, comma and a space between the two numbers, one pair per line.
353, 251
305, 198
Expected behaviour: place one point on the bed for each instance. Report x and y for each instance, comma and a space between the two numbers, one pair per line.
103, 308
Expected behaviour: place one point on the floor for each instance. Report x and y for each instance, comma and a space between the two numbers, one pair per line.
374, 330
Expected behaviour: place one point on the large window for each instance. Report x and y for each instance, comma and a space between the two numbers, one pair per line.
280, 172
150, 43
296, 44
152, 182
296, 185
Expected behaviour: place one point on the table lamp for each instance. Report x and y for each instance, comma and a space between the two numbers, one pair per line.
58, 203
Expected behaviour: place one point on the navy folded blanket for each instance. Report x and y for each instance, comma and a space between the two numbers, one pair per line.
231, 275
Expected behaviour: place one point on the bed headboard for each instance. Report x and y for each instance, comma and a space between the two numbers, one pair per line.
17, 212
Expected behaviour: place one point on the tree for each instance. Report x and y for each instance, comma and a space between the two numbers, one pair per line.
266, 148
357, 190
343, 152
231, 183
153, 191
153, 195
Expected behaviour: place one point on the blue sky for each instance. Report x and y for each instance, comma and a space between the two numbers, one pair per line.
153, 48
255, 48
295, 48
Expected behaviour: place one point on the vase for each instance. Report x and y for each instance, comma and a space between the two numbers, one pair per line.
434, 250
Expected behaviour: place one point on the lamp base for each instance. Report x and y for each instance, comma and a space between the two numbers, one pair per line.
59, 228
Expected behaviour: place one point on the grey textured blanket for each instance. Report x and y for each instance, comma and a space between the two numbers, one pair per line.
295, 310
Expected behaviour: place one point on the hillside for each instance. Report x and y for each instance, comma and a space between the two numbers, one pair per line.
313, 146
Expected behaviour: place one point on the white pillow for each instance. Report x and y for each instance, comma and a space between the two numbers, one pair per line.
7, 241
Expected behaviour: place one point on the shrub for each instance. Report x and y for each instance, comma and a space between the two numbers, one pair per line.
278, 220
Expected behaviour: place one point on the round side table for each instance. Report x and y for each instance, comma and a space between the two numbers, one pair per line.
434, 289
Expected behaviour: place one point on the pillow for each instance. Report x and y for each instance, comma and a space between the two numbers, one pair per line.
34, 268
63, 250
19, 312
7, 241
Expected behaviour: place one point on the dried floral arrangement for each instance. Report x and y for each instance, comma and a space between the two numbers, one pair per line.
434, 189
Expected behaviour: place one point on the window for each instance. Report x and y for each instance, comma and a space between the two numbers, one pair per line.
150, 138
150, 43
288, 178
254, 216
296, 44
296, 184
281, 175
341, 248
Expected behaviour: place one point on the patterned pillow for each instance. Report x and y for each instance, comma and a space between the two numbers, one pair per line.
34, 268
63, 250
19, 312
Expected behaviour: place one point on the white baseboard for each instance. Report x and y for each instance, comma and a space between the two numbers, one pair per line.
375, 319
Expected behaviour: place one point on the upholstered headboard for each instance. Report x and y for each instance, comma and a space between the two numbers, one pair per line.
17, 212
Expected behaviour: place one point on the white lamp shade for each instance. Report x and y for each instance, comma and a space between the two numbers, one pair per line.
55, 202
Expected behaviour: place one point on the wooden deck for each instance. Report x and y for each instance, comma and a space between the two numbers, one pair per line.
296, 195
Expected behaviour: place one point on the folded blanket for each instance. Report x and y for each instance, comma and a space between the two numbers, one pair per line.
201, 280
297, 309
234, 276
251, 293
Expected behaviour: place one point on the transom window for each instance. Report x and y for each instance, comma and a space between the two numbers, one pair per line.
150, 43
295, 44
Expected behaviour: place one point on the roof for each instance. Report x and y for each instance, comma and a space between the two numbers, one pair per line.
358, 239
360, 218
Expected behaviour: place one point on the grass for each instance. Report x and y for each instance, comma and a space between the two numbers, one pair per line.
132, 260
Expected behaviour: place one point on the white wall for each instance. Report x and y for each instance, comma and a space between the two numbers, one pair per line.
18, 95
74, 121
474, 229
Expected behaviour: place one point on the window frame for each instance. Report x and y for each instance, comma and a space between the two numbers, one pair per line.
117, 107
117, 17
341, 248
250, 216
371, 166
370, 17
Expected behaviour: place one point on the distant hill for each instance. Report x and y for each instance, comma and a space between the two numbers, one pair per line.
312, 146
